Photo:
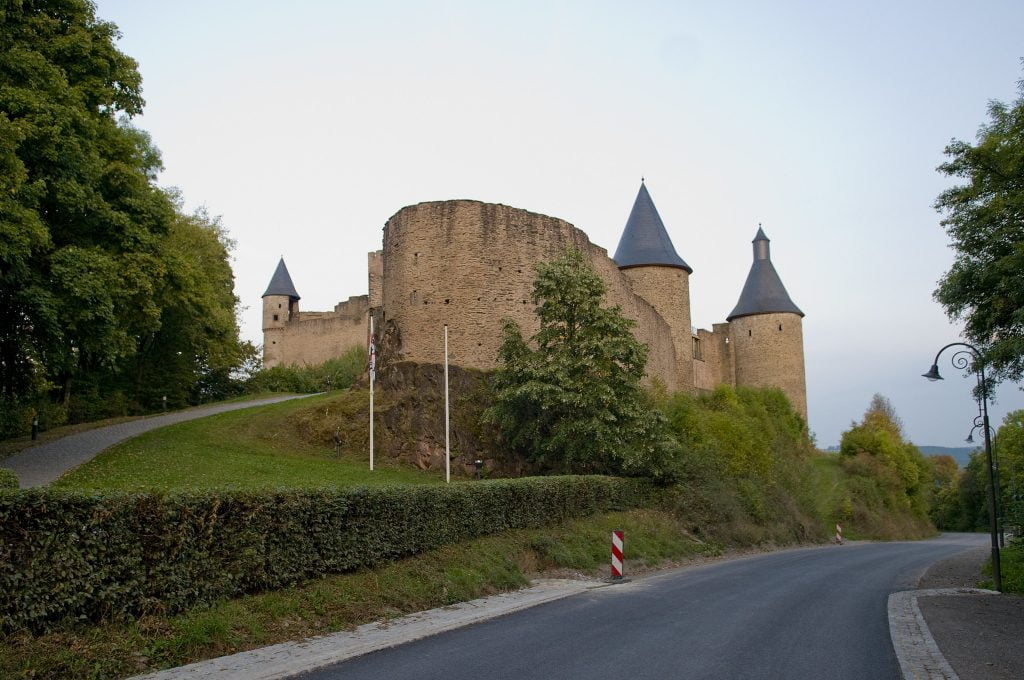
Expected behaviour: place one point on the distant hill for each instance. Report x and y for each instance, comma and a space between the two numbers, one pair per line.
961, 453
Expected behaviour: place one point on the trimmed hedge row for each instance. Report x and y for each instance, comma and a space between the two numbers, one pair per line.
72, 555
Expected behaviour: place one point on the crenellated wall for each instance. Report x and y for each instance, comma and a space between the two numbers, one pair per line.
470, 264
313, 337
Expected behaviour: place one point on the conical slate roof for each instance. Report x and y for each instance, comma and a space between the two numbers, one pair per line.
763, 293
644, 240
281, 283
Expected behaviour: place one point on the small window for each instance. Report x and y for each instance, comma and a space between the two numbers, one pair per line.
275, 317
273, 342
750, 334
279, 305
780, 326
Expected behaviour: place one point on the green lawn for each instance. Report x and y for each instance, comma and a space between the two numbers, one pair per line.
246, 449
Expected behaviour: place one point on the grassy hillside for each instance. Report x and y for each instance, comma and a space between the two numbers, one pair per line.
251, 448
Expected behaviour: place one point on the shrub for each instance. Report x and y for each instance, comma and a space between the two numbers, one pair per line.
339, 373
8, 480
99, 556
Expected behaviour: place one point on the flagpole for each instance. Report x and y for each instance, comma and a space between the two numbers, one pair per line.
447, 453
373, 369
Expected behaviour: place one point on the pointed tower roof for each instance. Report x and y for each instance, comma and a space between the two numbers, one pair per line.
281, 283
644, 240
763, 293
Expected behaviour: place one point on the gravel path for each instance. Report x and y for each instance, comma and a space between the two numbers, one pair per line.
979, 635
43, 464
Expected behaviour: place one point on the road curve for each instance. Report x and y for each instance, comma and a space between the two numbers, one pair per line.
45, 463
800, 614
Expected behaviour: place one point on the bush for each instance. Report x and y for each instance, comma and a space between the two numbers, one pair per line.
8, 480
340, 373
100, 556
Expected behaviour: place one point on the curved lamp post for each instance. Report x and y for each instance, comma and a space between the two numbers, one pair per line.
963, 359
1000, 520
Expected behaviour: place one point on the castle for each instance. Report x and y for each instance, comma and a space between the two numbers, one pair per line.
470, 265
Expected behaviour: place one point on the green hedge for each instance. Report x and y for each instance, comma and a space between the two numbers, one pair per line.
8, 480
71, 555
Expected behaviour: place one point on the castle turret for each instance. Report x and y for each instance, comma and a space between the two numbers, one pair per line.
656, 273
767, 332
280, 305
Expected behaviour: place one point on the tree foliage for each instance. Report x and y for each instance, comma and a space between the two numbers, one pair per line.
103, 281
875, 447
984, 219
573, 401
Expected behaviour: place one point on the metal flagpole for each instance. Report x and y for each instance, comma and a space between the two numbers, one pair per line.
373, 369
447, 453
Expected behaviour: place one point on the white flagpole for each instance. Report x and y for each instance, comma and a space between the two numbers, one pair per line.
373, 369
447, 453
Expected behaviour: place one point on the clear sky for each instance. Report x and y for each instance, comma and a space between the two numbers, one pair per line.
306, 125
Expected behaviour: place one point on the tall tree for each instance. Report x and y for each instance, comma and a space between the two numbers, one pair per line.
878, 438
985, 222
574, 404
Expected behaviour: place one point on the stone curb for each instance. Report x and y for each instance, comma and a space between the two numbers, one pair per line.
916, 651
289, 659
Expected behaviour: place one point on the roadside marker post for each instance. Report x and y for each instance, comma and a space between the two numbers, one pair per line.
839, 534
617, 554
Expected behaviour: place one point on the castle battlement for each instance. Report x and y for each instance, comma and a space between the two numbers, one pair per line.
470, 265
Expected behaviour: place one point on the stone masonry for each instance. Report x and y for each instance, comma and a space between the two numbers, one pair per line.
471, 265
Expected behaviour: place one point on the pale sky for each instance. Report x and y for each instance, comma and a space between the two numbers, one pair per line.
306, 125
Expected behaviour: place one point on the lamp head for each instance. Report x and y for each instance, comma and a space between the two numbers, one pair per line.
970, 438
933, 373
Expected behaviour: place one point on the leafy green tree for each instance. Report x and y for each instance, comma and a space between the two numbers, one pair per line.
884, 453
1010, 449
80, 218
985, 222
573, 401
112, 297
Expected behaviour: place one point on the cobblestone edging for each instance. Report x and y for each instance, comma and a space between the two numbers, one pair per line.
289, 659
916, 651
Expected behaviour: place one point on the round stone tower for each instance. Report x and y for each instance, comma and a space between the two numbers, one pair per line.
280, 305
647, 258
766, 331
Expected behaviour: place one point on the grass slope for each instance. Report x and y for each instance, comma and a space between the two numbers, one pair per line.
247, 449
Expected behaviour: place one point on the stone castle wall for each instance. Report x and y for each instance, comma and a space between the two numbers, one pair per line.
668, 291
470, 265
769, 352
312, 337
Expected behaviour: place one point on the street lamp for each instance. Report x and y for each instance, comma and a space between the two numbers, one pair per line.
971, 357
995, 466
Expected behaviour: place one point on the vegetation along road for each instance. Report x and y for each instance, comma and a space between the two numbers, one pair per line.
43, 464
799, 614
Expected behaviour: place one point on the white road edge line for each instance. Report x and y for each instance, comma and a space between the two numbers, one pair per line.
916, 651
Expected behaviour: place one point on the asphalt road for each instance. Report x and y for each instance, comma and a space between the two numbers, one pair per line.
801, 614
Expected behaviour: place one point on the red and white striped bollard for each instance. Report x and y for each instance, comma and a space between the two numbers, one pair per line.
617, 554
839, 534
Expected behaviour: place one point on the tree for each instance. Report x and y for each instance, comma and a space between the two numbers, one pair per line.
1010, 448
80, 218
110, 294
878, 441
574, 404
985, 221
